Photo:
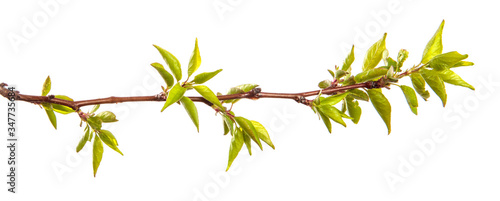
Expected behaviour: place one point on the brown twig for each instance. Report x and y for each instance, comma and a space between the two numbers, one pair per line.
253, 94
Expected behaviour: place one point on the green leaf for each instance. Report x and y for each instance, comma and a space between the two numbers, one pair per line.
61, 108
226, 129
332, 100
382, 105
262, 133
203, 77
246, 87
109, 139
195, 61
191, 110
332, 113
371, 74
374, 54
411, 97
324, 84
83, 141
326, 120
340, 73
249, 129
209, 95
391, 63
174, 95
50, 113
344, 106
331, 73
107, 117
239, 90
87, 129
434, 46
228, 124
97, 153
91, 135
167, 77
235, 147
348, 61
446, 60
358, 94
462, 63
247, 141
95, 123
95, 108
436, 83
353, 109
418, 83
402, 55
46, 86
171, 61
451, 77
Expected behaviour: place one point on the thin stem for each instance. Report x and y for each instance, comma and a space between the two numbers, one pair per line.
253, 94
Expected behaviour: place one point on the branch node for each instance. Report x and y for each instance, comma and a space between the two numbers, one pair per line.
255, 93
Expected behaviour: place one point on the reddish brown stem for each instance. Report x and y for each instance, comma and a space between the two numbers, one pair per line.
253, 94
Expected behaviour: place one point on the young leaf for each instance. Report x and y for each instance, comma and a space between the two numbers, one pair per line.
203, 77
353, 109
247, 141
436, 83
371, 74
209, 95
446, 61
107, 117
411, 97
262, 133
235, 147
462, 63
340, 73
109, 139
171, 61
374, 54
46, 86
332, 113
358, 94
61, 108
418, 83
332, 100
91, 135
331, 73
238, 90
95, 108
434, 46
324, 84
382, 105
402, 55
50, 114
97, 153
348, 61
167, 77
174, 95
326, 120
228, 124
195, 61
451, 77
95, 123
226, 129
83, 141
249, 129
191, 110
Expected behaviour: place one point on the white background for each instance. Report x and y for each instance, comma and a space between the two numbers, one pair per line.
97, 49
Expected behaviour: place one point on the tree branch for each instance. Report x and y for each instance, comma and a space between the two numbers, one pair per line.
253, 94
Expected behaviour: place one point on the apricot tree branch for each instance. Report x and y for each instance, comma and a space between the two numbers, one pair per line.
253, 94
